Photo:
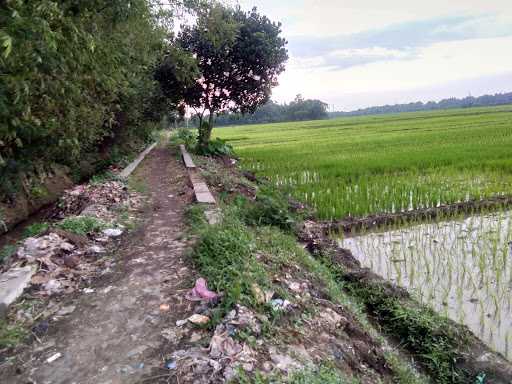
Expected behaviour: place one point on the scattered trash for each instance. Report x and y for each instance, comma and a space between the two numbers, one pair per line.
13, 283
170, 364
88, 290
112, 232
96, 249
195, 337
201, 292
297, 287
261, 296
54, 357
222, 345
108, 289
165, 307
284, 362
198, 319
280, 304
52, 286
66, 310
180, 323
41, 328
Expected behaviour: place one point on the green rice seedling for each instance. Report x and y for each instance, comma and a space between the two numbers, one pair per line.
362, 165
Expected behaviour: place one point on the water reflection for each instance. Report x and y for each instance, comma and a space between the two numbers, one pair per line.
461, 268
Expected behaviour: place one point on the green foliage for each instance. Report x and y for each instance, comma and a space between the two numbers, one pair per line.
272, 112
10, 335
74, 74
381, 164
432, 338
236, 55
270, 208
183, 136
35, 229
325, 374
217, 147
224, 256
82, 225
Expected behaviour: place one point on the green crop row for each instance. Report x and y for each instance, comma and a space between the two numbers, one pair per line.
357, 166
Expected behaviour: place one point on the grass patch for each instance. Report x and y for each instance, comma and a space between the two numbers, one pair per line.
224, 256
433, 340
103, 177
35, 229
82, 225
324, 374
11, 334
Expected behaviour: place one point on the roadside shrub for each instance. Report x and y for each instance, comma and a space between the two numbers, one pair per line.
82, 225
431, 337
183, 136
217, 147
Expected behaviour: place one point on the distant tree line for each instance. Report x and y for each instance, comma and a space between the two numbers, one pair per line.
272, 112
466, 102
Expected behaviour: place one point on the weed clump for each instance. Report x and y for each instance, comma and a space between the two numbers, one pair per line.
184, 136
435, 342
35, 229
82, 225
269, 208
10, 335
224, 255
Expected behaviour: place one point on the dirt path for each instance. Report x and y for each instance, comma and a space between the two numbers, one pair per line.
115, 333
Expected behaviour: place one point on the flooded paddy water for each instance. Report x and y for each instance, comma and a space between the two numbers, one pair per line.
461, 268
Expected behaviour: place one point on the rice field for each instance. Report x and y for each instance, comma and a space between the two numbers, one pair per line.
357, 166
461, 268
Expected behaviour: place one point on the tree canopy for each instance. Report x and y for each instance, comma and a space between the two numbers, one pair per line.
235, 56
298, 110
74, 73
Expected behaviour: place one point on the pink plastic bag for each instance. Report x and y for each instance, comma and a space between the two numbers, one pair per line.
201, 292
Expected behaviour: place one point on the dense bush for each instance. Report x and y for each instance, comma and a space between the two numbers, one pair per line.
74, 73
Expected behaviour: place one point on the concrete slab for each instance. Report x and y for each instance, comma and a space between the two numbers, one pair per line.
13, 282
131, 167
189, 163
205, 197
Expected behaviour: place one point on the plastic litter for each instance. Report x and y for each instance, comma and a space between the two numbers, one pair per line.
170, 364
198, 319
54, 357
201, 292
112, 232
280, 304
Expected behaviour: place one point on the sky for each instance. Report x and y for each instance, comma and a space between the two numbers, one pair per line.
358, 53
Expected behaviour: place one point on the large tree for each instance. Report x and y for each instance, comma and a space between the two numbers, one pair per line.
238, 56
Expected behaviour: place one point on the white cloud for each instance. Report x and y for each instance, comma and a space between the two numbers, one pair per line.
355, 53
435, 65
